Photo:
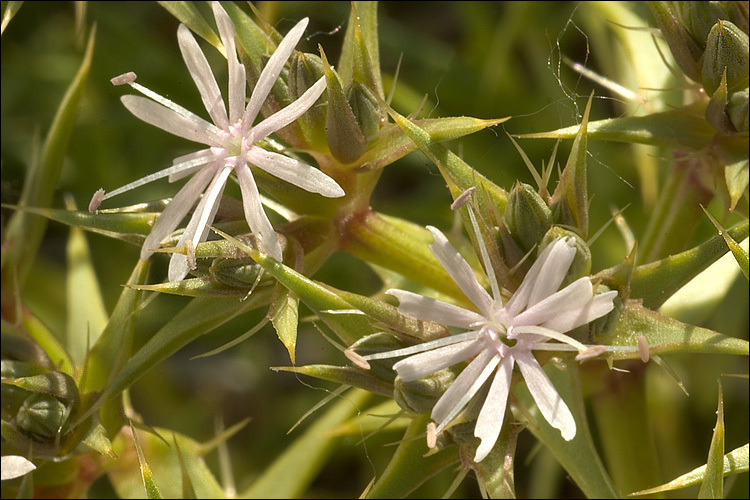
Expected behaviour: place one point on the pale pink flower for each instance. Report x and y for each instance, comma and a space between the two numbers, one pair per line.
232, 144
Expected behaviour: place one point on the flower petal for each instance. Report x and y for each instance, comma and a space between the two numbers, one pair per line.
598, 306
427, 309
288, 114
237, 81
203, 77
491, 417
426, 363
192, 127
549, 402
254, 214
180, 205
14, 466
294, 172
271, 73
460, 271
197, 229
555, 263
464, 387
571, 298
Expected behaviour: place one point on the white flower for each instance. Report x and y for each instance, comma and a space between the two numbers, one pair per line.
231, 140
501, 336
14, 466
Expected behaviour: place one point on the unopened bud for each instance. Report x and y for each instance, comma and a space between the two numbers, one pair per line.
527, 216
699, 17
240, 273
42, 416
365, 108
305, 70
685, 50
726, 50
737, 109
581, 265
420, 396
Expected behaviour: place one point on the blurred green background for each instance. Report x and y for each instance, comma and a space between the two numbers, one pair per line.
483, 59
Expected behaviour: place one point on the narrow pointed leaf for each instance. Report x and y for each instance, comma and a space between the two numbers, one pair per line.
713, 479
657, 281
364, 19
188, 15
735, 462
188, 491
343, 375
739, 254
285, 317
666, 335
152, 490
683, 128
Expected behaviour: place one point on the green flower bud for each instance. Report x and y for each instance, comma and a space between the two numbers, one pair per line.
305, 70
527, 216
42, 416
420, 396
726, 49
581, 265
600, 328
365, 108
240, 273
345, 138
699, 17
737, 109
686, 52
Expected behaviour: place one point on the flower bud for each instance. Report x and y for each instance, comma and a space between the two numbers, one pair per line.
365, 108
527, 216
699, 17
581, 265
420, 396
686, 52
345, 138
41, 416
240, 273
305, 70
726, 50
600, 328
737, 109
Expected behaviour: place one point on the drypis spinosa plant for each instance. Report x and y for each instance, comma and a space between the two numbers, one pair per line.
503, 330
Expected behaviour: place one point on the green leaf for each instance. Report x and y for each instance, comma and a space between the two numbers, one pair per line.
713, 479
735, 462
739, 254
24, 231
666, 335
293, 471
409, 467
188, 15
152, 491
683, 128
343, 375
285, 317
363, 21
578, 456
87, 316
657, 281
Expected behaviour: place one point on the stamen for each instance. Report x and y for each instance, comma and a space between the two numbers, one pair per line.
96, 200
124, 79
431, 435
357, 359
643, 348
463, 198
190, 250
591, 352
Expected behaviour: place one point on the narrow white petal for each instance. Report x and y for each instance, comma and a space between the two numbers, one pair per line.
460, 271
294, 172
271, 73
549, 402
288, 114
595, 308
533, 333
203, 77
555, 263
254, 214
237, 82
427, 346
190, 163
571, 298
197, 229
490, 420
464, 388
427, 309
14, 466
193, 128
427, 363
180, 205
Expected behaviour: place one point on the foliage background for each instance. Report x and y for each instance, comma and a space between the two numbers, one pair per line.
483, 59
